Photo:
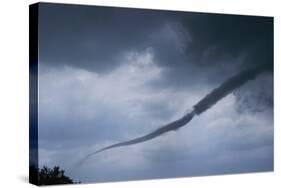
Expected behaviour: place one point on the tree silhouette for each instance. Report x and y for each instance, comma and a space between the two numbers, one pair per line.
48, 176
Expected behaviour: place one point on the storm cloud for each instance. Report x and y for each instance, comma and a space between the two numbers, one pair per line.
110, 74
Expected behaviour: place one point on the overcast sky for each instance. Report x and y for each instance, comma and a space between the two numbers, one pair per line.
110, 74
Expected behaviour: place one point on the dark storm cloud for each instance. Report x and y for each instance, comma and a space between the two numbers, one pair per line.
218, 38
92, 37
219, 44
189, 45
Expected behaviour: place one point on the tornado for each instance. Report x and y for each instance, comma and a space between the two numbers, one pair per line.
203, 105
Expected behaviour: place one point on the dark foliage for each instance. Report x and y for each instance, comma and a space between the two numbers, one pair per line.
49, 176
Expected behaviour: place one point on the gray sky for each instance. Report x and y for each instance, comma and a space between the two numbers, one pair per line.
110, 74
